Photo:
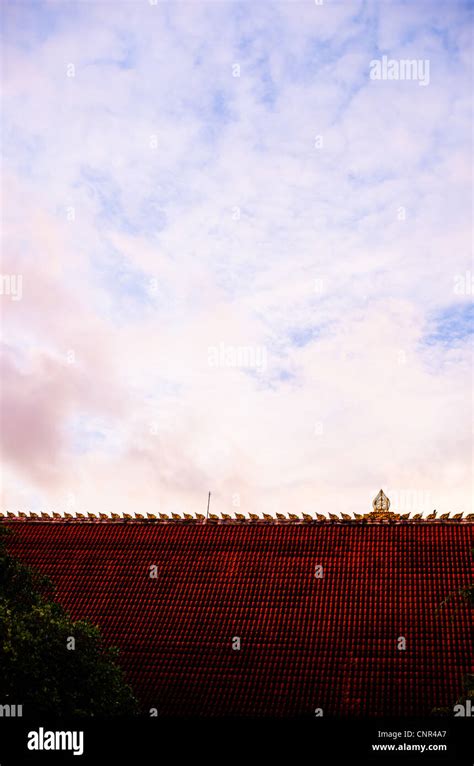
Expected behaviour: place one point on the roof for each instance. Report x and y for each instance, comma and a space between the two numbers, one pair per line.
306, 641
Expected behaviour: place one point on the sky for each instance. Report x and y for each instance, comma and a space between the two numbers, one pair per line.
236, 256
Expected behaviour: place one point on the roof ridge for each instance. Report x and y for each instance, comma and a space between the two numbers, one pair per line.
374, 517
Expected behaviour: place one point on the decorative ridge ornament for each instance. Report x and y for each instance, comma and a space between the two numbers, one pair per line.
381, 514
381, 508
381, 502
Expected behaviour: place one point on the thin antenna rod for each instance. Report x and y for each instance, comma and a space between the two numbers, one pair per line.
208, 502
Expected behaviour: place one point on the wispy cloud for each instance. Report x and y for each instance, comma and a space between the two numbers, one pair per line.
187, 176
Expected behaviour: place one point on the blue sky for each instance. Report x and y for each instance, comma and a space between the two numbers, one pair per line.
186, 177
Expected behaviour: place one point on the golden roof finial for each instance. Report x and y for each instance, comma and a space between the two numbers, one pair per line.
381, 503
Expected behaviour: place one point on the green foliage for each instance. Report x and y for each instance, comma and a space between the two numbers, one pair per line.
37, 669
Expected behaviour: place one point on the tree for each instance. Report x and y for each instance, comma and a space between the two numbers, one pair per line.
49, 663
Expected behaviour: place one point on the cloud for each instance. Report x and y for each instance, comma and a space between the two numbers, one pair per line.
227, 175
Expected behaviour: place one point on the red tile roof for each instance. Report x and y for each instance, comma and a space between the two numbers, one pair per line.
306, 642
